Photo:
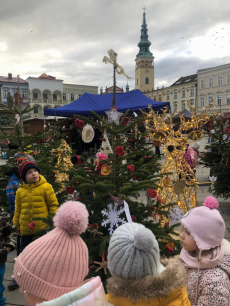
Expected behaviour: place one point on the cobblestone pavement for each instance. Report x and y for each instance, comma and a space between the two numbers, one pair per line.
16, 298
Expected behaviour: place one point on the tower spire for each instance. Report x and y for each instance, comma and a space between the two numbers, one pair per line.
144, 43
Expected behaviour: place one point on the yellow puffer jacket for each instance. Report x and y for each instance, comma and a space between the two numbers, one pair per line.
164, 289
34, 200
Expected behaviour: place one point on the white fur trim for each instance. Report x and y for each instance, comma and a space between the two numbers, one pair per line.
160, 269
226, 245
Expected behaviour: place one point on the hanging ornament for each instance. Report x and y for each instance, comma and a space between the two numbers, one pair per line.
166, 181
79, 123
105, 170
69, 189
35, 152
119, 150
213, 131
113, 115
171, 245
175, 215
152, 193
113, 217
87, 133
32, 225
93, 229
126, 121
103, 265
212, 179
168, 249
209, 150
225, 137
131, 168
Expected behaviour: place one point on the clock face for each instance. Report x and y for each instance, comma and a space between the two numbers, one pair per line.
146, 71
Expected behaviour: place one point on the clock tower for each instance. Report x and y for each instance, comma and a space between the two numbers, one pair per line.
144, 71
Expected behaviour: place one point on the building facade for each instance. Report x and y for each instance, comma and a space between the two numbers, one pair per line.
214, 86
10, 84
45, 91
144, 70
72, 92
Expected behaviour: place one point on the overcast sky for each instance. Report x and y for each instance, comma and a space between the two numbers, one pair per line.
68, 38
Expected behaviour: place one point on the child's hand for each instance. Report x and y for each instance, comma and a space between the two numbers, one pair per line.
8, 250
18, 231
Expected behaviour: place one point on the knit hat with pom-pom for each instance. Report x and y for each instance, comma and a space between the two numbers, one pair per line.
56, 263
205, 224
133, 252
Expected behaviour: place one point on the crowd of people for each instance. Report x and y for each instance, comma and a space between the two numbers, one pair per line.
52, 270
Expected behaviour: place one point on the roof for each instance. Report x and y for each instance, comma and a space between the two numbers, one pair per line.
13, 80
185, 80
45, 76
133, 100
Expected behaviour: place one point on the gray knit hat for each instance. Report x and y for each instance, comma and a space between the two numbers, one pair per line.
133, 252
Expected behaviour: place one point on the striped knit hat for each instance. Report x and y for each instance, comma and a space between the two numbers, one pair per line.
25, 166
56, 263
133, 252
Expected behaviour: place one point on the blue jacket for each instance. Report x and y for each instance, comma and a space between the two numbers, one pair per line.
11, 188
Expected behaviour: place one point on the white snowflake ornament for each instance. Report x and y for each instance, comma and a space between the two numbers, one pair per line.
213, 131
113, 217
113, 115
225, 137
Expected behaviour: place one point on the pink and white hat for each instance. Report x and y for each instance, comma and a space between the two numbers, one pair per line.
205, 224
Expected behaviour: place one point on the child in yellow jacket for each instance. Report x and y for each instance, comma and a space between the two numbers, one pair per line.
34, 198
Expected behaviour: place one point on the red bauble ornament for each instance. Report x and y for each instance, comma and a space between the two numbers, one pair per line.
132, 217
144, 137
152, 193
31, 225
69, 189
131, 131
166, 224
168, 249
131, 168
79, 123
119, 150
159, 199
126, 121
129, 146
145, 156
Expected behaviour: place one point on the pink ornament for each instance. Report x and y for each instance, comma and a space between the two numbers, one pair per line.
211, 202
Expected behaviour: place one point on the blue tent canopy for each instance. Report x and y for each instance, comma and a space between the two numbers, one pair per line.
133, 100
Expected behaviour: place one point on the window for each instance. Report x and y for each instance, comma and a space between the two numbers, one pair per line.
64, 96
220, 80
36, 110
14, 92
210, 100
201, 101
175, 107
168, 97
6, 92
228, 79
55, 96
192, 92
210, 82
175, 94
159, 97
45, 96
155, 98
137, 81
202, 84
182, 106
228, 99
80, 95
72, 97
219, 98
188, 80
147, 80
35, 95
183, 93
178, 82
24, 94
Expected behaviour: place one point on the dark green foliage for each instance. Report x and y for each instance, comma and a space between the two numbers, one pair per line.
216, 157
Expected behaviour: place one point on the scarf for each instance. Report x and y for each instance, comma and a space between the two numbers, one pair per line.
205, 262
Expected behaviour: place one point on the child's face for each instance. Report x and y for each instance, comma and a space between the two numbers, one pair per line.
30, 299
188, 243
32, 176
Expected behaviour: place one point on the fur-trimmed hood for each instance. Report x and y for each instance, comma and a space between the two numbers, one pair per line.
158, 286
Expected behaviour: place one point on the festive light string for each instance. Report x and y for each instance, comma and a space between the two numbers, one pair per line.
180, 185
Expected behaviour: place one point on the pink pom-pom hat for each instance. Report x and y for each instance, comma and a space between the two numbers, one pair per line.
205, 224
56, 263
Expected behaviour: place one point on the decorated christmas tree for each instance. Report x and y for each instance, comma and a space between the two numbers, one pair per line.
111, 185
216, 157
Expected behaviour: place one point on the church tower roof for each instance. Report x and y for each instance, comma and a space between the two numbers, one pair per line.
144, 43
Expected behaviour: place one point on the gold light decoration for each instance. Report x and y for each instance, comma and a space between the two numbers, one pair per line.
63, 154
180, 185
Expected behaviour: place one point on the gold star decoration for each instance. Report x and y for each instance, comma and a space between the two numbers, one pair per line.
95, 231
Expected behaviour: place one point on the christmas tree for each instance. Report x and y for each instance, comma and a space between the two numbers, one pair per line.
216, 157
110, 187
